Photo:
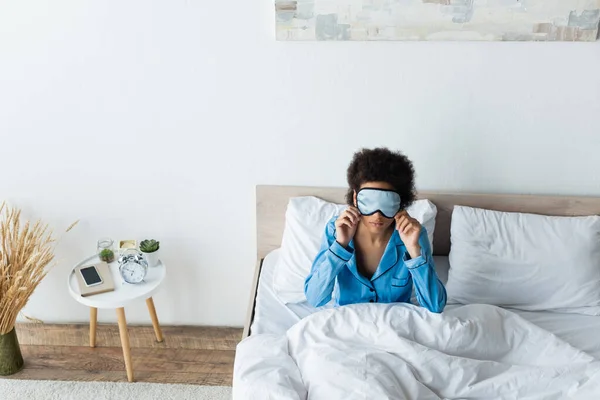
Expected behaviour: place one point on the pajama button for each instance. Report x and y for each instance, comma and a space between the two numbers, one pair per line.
370, 301
372, 290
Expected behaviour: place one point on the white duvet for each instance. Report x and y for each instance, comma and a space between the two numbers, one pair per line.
400, 351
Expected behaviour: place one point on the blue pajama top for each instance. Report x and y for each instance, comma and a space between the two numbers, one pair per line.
335, 266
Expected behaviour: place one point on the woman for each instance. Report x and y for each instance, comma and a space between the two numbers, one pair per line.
374, 251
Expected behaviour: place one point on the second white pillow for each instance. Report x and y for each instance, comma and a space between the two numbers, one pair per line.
525, 261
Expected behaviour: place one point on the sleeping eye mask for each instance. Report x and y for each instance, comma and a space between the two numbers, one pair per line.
370, 200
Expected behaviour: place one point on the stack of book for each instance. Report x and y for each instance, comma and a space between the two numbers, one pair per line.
103, 270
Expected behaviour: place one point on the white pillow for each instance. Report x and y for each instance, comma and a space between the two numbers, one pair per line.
305, 221
525, 261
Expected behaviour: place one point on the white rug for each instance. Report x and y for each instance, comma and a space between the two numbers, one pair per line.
51, 390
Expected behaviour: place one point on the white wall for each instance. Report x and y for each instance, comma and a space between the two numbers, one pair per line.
210, 105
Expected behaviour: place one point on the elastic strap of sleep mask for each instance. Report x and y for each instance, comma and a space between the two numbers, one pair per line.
377, 190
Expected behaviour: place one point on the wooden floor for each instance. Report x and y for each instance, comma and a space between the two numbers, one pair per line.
192, 355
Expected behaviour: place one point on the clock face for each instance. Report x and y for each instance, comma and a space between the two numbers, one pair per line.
132, 272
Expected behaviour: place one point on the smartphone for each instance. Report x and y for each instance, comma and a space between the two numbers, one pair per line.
90, 275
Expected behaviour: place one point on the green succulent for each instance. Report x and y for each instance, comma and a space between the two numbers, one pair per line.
107, 255
149, 246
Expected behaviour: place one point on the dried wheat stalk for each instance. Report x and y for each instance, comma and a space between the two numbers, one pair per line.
25, 252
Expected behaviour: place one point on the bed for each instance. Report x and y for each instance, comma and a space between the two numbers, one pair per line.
270, 317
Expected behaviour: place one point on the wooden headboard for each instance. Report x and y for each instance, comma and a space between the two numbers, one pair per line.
271, 203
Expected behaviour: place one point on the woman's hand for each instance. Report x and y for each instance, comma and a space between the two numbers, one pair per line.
409, 230
346, 224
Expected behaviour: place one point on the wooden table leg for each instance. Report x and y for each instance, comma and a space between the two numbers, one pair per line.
93, 319
125, 342
154, 317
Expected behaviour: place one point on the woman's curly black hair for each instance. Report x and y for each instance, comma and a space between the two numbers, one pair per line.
382, 165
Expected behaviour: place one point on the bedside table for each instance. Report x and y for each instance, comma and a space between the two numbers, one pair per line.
123, 295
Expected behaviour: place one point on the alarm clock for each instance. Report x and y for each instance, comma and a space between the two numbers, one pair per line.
132, 266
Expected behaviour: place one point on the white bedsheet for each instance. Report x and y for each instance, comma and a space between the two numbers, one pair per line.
401, 351
272, 316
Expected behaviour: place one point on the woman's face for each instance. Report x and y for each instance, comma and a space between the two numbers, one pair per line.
376, 223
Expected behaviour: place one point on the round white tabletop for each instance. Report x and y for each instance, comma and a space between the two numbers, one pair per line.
124, 293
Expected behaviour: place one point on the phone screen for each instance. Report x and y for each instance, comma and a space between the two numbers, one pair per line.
90, 275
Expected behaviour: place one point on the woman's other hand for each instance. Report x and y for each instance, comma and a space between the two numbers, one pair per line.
346, 224
409, 230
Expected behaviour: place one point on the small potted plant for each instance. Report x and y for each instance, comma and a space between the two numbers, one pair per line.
107, 255
150, 250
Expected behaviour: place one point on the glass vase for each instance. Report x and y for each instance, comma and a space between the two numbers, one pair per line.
106, 251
